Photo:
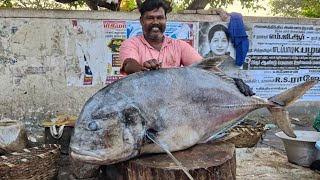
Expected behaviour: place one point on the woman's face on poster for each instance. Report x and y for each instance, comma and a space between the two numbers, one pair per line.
219, 43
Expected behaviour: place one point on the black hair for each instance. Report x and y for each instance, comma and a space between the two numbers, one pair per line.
218, 27
149, 5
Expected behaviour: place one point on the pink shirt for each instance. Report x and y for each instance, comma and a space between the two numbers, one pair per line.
173, 53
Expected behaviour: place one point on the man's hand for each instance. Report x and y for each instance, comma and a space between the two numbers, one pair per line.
152, 64
131, 66
243, 87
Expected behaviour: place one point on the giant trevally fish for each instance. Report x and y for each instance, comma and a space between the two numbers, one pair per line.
179, 107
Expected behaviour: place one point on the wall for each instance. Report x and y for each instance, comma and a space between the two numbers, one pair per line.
36, 59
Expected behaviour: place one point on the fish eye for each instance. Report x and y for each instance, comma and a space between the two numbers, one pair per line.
93, 126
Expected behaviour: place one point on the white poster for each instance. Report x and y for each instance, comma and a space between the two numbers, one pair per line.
85, 53
215, 41
282, 56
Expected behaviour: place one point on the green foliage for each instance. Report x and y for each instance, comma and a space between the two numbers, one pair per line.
6, 3
312, 9
181, 4
128, 5
77, 4
131, 4
296, 8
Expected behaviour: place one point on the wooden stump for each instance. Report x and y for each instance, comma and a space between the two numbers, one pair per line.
215, 160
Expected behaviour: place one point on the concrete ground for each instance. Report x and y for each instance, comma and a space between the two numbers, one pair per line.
269, 140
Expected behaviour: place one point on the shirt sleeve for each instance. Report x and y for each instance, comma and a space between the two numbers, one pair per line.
188, 54
128, 49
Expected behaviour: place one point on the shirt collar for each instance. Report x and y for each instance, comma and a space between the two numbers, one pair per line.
165, 43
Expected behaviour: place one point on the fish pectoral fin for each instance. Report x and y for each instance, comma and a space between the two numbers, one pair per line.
151, 134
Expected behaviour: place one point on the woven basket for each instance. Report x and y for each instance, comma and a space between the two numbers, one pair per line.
246, 135
36, 163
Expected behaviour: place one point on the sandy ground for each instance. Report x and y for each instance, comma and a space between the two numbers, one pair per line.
269, 164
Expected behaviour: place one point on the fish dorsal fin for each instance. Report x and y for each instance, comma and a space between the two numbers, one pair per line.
210, 64
225, 77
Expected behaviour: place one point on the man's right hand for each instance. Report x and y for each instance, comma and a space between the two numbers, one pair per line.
152, 64
131, 66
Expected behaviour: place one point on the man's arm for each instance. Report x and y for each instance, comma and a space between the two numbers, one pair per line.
130, 59
131, 66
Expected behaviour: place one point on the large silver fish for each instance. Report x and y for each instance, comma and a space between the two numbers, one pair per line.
178, 107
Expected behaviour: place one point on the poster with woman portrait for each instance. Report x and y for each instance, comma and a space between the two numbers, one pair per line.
214, 41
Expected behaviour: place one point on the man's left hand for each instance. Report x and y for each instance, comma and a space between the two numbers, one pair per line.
243, 87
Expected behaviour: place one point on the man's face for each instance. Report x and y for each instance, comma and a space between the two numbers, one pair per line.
219, 43
153, 24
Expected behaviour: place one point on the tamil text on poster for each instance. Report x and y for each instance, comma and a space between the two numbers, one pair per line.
282, 56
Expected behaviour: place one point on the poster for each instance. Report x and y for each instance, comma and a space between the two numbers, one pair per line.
176, 30
282, 56
214, 41
115, 34
85, 53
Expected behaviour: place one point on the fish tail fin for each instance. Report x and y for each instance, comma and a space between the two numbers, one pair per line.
280, 116
289, 96
280, 113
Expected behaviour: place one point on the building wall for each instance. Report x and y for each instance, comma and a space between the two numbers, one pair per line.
35, 60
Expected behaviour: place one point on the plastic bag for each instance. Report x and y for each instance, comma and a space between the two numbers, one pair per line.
13, 136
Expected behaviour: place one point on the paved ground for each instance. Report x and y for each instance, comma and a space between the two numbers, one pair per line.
269, 140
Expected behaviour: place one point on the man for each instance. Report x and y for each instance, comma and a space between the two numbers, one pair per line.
153, 50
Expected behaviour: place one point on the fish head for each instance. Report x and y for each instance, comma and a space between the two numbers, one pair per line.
105, 137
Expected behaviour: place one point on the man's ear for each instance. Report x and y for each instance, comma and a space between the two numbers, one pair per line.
141, 20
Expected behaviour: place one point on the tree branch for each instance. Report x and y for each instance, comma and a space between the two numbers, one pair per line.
138, 2
66, 1
91, 5
198, 4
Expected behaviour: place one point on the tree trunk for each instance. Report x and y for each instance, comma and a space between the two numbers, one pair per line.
113, 7
93, 4
66, 1
198, 4
138, 2
215, 160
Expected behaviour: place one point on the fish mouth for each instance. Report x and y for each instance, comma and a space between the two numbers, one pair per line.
85, 158
99, 157
95, 156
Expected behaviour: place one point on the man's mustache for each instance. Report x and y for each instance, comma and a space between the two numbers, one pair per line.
157, 26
